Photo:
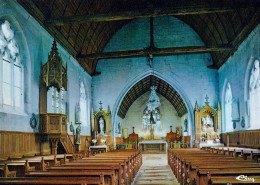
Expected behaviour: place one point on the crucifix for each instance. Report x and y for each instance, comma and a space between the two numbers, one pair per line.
100, 103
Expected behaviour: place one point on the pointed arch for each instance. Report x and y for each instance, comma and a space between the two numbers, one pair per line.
172, 82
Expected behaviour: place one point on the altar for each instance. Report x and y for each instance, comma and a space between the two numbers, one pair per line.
97, 149
153, 146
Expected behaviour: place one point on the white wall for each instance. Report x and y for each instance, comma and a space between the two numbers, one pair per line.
134, 116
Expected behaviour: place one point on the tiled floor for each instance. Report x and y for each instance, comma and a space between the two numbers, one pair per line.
155, 170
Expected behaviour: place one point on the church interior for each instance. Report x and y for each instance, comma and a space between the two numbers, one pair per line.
129, 92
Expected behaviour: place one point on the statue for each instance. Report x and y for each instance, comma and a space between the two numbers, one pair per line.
119, 128
78, 130
154, 101
77, 113
207, 121
101, 125
254, 75
185, 125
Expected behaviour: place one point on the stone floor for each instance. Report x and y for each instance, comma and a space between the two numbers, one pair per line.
155, 170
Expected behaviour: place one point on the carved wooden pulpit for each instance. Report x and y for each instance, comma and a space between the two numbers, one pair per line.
53, 126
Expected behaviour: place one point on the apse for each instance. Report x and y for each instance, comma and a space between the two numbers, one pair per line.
135, 110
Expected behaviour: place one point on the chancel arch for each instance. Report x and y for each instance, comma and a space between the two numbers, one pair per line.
157, 79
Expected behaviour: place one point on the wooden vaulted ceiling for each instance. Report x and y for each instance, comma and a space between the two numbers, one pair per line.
143, 86
84, 27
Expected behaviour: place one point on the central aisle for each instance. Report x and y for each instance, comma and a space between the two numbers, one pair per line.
155, 170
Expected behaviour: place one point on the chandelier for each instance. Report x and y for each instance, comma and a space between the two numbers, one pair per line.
153, 101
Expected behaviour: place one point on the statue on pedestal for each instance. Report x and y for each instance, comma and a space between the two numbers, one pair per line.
78, 130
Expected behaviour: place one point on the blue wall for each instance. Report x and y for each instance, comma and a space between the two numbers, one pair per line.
236, 71
35, 43
188, 73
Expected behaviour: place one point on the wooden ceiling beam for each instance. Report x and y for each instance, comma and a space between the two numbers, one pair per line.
38, 15
147, 12
247, 29
153, 51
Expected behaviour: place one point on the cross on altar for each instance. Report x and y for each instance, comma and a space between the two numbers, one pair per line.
100, 103
207, 100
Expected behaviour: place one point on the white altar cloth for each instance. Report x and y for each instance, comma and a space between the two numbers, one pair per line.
100, 146
201, 145
153, 142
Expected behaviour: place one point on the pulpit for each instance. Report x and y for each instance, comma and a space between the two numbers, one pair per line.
53, 126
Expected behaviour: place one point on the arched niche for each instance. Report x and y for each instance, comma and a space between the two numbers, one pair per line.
206, 123
95, 120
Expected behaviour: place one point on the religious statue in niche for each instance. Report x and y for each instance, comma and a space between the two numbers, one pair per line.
101, 125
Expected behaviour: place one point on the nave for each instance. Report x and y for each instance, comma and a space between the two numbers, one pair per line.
155, 170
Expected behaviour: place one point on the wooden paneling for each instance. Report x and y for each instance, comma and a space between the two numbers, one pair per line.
250, 138
85, 142
18, 144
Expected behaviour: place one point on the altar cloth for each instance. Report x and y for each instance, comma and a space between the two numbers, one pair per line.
153, 142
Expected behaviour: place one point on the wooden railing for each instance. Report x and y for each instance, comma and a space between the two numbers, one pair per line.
249, 138
67, 144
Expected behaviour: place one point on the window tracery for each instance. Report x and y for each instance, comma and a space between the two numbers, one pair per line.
11, 68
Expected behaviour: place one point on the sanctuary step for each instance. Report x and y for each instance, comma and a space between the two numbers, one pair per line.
155, 170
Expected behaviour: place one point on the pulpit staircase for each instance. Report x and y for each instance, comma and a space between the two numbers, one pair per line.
67, 144
53, 129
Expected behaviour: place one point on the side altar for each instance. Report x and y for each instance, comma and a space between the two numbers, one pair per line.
101, 131
207, 126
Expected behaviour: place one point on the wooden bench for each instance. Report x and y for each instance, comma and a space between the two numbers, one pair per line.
233, 180
188, 165
54, 180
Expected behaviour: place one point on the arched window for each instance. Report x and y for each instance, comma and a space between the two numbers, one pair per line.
11, 70
228, 108
151, 118
83, 105
56, 101
254, 96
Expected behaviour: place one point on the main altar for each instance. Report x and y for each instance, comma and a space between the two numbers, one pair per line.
153, 146
152, 127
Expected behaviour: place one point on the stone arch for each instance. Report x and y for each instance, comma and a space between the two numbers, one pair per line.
175, 84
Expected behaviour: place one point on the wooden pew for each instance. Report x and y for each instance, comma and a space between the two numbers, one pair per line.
104, 167
198, 160
205, 175
121, 163
54, 180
